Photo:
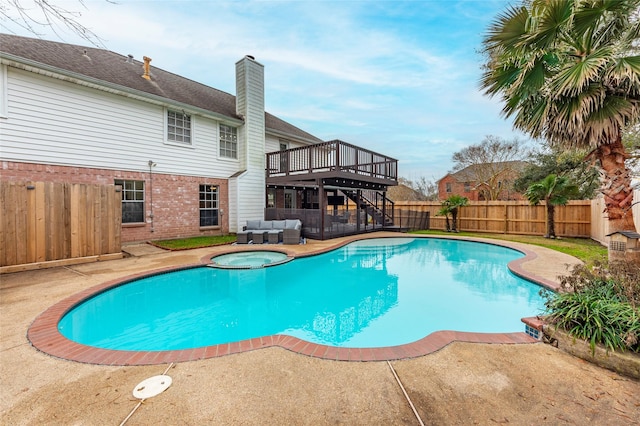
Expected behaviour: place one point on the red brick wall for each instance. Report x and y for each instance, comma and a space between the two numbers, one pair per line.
175, 198
457, 188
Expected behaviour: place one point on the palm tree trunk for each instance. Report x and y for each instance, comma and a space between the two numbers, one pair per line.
616, 185
551, 222
454, 218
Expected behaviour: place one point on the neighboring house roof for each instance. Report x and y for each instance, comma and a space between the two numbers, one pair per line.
102, 65
469, 173
403, 193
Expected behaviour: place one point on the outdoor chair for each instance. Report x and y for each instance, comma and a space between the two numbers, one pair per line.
244, 236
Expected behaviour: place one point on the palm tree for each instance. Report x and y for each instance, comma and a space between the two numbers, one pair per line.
554, 191
450, 206
568, 71
445, 211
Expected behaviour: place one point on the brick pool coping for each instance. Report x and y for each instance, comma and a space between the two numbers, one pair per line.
44, 335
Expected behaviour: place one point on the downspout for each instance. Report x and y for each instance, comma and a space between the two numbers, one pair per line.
151, 166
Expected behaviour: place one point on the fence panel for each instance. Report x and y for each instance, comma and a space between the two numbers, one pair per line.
45, 221
510, 217
412, 219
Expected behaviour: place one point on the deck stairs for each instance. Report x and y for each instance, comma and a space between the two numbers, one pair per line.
375, 204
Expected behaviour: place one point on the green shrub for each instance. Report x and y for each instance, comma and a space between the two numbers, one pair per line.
600, 305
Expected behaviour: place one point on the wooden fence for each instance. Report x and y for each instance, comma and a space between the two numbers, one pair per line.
599, 222
510, 217
47, 221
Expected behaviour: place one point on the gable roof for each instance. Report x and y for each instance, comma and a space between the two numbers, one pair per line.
104, 67
402, 192
469, 173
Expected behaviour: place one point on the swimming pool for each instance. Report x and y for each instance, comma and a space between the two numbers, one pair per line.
371, 293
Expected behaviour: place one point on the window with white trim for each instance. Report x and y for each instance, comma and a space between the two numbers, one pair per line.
228, 141
209, 207
178, 127
132, 200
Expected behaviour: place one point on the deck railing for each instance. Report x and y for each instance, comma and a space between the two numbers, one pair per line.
331, 156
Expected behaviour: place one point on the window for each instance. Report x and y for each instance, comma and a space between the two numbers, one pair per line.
228, 141
283, 146
467, 187
448, 186
132, 200
289, 198
271, 197
208, 205
178, 127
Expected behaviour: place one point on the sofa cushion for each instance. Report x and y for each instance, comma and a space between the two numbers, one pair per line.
293, 224
253, 224
265, 225
279, 224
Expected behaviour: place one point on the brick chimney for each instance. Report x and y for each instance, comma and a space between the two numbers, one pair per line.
145, 67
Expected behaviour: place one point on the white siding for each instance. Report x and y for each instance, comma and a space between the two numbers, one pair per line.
272, 143
251, 197
250, 105
57, 122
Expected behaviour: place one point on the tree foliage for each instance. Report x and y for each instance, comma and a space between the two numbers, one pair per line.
568, 72
491, 164
450, 207
425, 189
554, 191
570, 164
631, 141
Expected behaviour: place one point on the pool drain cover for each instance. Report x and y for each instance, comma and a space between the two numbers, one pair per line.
152, 386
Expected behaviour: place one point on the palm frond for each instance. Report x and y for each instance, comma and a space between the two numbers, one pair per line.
577, 75
553, 18
508, 29
567, 70
625, 75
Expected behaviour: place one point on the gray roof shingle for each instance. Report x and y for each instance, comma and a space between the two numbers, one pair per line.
115, 69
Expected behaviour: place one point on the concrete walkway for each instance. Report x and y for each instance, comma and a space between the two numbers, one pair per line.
461, 384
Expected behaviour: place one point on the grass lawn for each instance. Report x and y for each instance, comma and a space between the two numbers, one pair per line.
195, 242
584, 249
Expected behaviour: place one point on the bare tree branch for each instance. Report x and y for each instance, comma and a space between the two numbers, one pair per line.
35, 16
491, 165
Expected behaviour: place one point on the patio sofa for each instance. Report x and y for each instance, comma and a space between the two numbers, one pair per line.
271, 231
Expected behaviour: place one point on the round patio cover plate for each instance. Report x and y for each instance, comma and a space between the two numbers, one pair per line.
152, 386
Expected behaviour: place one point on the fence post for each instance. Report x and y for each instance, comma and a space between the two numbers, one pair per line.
506, 219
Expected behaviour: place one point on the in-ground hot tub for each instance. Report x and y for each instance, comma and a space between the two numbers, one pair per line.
249, 259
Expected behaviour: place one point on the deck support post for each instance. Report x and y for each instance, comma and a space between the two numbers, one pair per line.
322, 203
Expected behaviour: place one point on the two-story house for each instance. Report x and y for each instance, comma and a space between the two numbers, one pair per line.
483, 182
191, 159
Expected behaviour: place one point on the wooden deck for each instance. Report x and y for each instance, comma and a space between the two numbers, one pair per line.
335, 163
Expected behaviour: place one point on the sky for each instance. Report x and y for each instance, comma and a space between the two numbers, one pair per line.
397, 77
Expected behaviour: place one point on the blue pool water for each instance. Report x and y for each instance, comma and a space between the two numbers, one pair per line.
371, 293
